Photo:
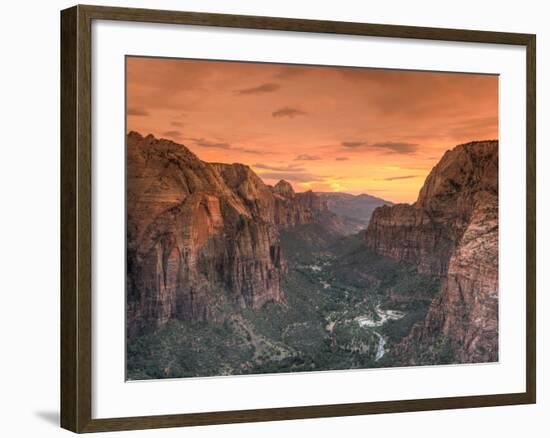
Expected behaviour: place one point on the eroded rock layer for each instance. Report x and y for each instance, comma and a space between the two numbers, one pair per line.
452, 232
201, 236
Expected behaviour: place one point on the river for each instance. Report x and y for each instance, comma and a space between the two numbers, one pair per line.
380, 350
383, 316
364, 321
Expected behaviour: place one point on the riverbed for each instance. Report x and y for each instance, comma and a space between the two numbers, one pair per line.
380, 320
382, 317
370, 322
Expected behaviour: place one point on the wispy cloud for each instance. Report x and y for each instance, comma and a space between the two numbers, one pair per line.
202, 142
288, 111
133, 111
288, 168
388, 146
397, 147
341, 158
307, 157
295, 177
250, 151
176, 135
354, 144
396, 178
260, 89
176, 123
217, 144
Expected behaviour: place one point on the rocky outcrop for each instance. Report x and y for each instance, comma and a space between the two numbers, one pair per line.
466, 311
408, 233
451, 232
292, 208
201, 236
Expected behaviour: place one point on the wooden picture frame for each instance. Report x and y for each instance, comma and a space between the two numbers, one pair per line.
76, 218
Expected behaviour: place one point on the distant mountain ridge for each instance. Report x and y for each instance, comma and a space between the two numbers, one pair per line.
357, 207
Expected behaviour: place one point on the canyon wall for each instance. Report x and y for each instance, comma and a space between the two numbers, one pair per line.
451, 231
292, 208
202, 236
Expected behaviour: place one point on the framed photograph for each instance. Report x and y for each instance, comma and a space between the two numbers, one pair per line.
270, 218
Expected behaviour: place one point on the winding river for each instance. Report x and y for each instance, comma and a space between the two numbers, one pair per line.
383, 316
364, 321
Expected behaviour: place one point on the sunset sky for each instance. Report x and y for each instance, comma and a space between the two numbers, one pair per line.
353, 130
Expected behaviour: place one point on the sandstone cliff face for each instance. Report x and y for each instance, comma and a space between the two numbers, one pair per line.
452, 232
408, 233
292, 208
200, 236
426, 233
466, 311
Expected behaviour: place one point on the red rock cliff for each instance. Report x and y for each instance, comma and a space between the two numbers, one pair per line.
452, 231
292, 208
200, 236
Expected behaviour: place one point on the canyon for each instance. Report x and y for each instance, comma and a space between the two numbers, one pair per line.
204, 236
243, 277
451, 232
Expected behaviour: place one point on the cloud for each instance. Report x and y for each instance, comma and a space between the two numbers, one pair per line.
176, 123
202, 142
250, 151
172, 134
260, 89
354, 144
397, 147
296, 177
307, 157
288, 111
341, 158
389, 146
133, 111
289, 168
395, 178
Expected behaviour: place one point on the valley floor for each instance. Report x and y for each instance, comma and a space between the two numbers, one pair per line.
345, 308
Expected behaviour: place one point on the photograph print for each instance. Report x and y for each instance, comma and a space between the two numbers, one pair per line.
289, 218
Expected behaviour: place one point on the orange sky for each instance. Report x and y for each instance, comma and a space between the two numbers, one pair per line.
354, 130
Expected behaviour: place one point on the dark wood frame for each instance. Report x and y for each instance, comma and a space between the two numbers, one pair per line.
76, 168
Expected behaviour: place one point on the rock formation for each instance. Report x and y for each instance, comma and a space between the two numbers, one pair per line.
292, 208
452, 232
202, 236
